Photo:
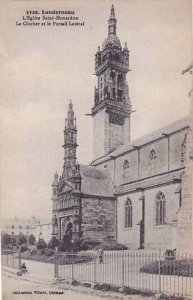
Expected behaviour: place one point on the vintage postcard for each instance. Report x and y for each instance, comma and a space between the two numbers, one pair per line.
97, 149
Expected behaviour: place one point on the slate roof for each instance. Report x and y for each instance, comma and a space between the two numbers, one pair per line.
95, 181
173, 127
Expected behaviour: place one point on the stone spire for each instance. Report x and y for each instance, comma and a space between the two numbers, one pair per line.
70, 145
112, 22
71, 120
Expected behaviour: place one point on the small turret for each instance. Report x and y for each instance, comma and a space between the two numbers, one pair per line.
126, 55
55, 185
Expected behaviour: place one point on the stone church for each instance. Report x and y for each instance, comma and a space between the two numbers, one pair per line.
134, 192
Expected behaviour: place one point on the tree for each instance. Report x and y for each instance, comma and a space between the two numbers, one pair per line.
41, 244
66, 244
22, 239
53, 243
5, 239
31, 239
13, 241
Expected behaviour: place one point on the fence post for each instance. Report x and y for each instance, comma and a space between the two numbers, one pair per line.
95, 258
72, 267
19, 259
123, 270
55, 264
159, 270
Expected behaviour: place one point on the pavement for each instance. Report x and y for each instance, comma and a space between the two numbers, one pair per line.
30, 287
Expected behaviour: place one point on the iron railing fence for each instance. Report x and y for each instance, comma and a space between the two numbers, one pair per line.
155, 272
11, 258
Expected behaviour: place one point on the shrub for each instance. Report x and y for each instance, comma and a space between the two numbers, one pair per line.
24, 248
33, 251
21, 239
41, 244
53, 243
111, 246
31, 239
89, 245
182, 267
13, 241
66, 244
49, 252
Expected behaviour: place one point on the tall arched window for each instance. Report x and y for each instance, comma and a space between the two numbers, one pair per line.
120, 81
128, 213
183, 149
160, 209
126, 171
152, 161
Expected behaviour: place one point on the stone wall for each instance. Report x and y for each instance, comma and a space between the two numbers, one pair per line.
108, 136
99, 125
185, 216
168, 161
115, 136
98, 219
168, 151
156, 237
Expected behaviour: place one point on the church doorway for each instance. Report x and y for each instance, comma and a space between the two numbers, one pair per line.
66, 229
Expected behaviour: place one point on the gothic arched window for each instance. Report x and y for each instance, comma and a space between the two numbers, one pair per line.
183, 149
160, 209
152, 161
126, 171
128, 213
113, 78
120, 80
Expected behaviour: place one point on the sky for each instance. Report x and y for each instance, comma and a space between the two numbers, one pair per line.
42, 68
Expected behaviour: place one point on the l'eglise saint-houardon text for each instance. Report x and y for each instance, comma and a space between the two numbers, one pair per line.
69, 20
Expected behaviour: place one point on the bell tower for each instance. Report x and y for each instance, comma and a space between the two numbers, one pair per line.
70, 143
112, 107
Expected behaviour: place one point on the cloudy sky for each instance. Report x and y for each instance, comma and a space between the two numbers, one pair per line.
43, 67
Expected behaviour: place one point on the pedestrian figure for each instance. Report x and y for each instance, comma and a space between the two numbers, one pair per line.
100, 254
23, 268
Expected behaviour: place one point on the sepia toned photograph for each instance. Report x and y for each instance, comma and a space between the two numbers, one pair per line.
96, 149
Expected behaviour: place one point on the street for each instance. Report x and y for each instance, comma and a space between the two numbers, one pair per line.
16, 288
